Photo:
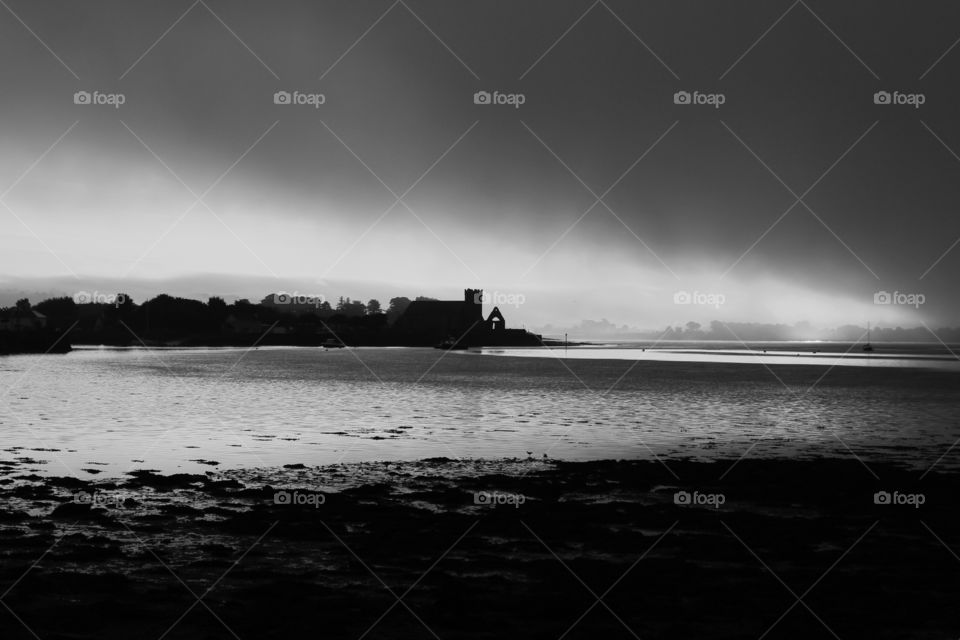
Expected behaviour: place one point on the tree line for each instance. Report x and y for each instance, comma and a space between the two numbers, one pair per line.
277, 319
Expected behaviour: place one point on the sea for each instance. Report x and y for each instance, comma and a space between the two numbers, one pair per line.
101, 411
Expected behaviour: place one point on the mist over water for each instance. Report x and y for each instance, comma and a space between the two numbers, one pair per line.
898, 355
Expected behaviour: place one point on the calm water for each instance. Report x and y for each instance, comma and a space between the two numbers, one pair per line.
177, 410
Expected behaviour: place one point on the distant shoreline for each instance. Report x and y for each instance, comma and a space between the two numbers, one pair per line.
725, 352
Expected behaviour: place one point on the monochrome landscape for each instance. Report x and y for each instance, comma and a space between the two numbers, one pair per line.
404, 319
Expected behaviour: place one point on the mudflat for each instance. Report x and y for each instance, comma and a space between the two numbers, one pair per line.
486, 549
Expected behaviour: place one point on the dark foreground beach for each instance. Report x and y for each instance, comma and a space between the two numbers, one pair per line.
508, 549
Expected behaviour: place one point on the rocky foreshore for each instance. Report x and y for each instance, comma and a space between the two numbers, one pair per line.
497, 549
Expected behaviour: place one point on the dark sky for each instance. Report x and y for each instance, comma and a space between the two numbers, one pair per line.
302, 196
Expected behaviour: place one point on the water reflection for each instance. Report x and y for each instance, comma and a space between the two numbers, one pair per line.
109, 411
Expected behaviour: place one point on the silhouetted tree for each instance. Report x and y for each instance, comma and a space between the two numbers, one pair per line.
176, 316
373, 306
217, 304
350, 308
61, 312
125, 306
218, 310
396, 308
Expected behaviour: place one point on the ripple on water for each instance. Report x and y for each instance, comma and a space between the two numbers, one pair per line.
504, 407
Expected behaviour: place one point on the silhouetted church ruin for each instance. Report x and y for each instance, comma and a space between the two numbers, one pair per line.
430, 322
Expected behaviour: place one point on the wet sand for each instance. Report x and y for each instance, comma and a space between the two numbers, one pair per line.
405, 550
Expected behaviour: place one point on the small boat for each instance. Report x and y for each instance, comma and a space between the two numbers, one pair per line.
452, 344
330, 343
868, 347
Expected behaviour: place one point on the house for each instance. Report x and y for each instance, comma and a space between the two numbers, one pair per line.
19, 319
24, 330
